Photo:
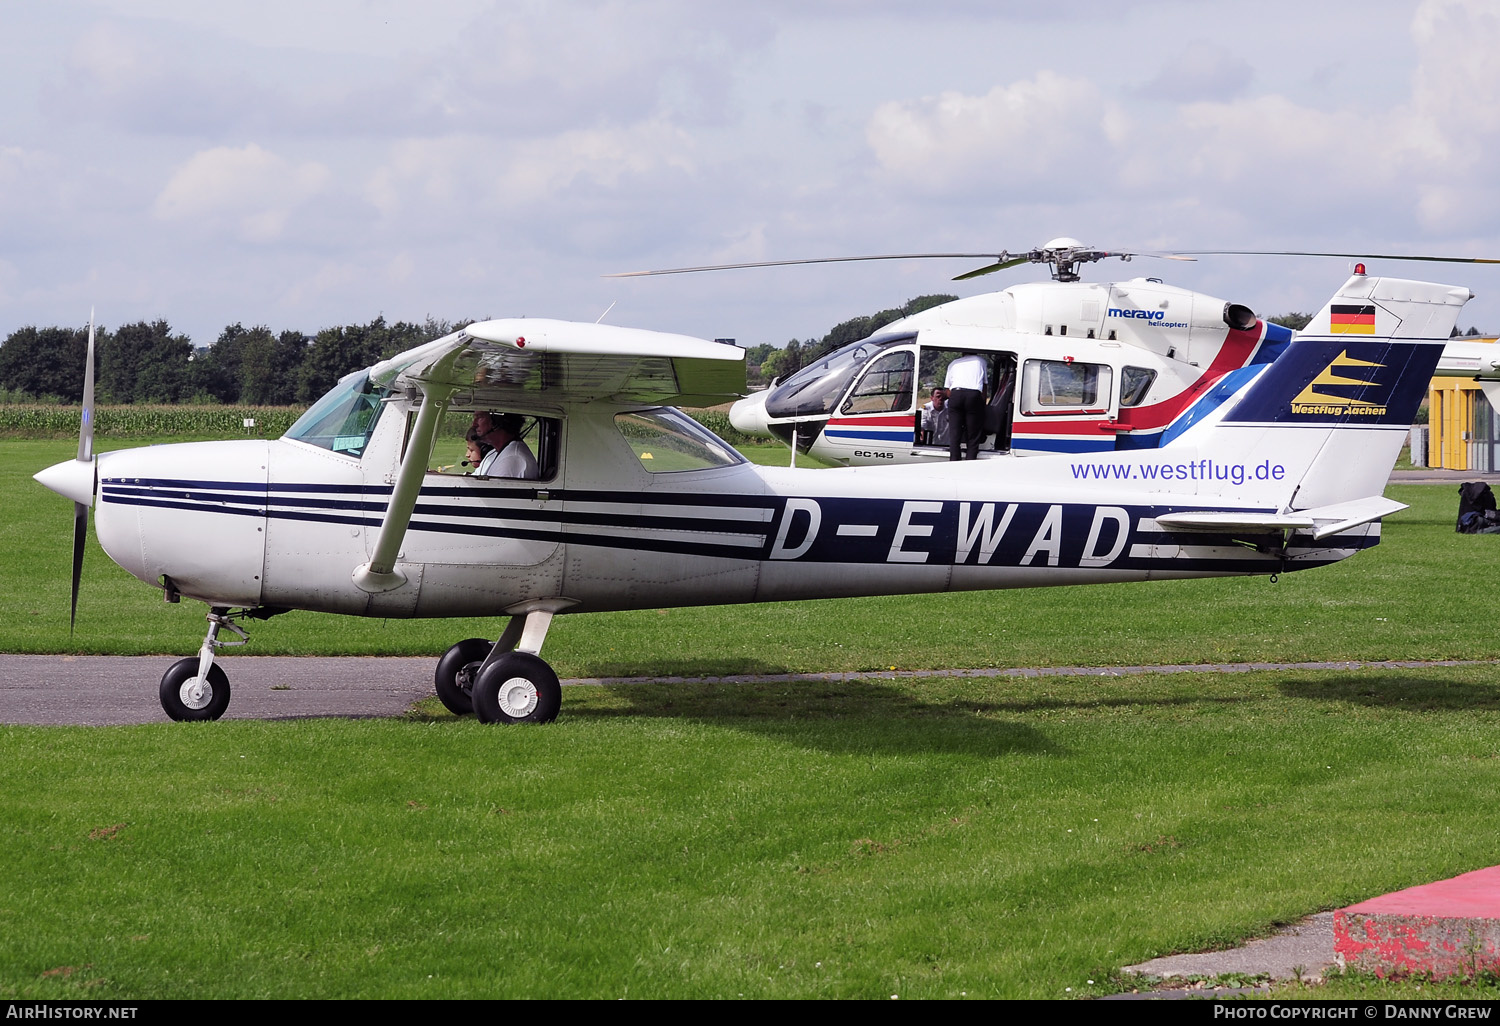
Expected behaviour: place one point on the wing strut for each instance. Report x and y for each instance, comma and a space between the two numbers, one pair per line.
380, 573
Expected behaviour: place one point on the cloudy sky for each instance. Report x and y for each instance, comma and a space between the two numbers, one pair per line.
301, 163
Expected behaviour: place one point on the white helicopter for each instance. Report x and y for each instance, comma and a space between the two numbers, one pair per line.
1074, 366
635, 505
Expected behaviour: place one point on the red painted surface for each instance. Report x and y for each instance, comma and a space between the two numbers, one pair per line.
1475, 894
1444, 928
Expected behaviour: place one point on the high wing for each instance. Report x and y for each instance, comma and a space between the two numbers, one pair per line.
559, 361
567, 361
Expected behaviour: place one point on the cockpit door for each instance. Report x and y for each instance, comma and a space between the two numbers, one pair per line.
879, 409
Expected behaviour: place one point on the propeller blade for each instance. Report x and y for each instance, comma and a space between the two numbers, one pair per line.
85, 455
1348, 256
815, 260
86, 425
80, 535
991, 268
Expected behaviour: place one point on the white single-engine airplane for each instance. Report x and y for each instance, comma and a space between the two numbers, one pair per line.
635, 505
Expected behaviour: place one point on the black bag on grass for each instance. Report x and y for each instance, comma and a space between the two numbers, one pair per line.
1476, 509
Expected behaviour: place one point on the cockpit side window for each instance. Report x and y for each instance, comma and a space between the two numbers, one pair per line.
886, 386
343, 420
451, 453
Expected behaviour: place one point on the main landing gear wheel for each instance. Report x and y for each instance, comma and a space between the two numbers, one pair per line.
456, 672
186, 698
517, 688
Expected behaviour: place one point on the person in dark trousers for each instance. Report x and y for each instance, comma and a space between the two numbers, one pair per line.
966, 380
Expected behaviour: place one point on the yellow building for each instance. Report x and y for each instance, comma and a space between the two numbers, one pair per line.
1461, 423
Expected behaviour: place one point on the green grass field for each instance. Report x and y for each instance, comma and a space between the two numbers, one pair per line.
925, 837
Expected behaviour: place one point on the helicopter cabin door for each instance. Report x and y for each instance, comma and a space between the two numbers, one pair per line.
933, 424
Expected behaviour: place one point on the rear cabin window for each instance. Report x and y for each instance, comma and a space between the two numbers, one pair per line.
667, 441
1135, 383
1053, 385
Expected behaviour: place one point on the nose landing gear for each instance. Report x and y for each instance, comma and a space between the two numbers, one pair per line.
194, 688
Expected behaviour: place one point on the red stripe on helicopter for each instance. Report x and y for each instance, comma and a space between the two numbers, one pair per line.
905, 421
1233, 354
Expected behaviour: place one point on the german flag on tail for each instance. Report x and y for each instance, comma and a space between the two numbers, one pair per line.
1351, 319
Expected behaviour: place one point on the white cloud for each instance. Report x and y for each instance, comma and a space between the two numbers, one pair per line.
1199, 71
1035, 133
247, 189
475, 172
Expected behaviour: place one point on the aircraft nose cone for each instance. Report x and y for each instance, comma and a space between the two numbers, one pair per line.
70, 479
749, 415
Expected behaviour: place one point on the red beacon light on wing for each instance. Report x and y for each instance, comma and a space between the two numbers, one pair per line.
521, 339
1359, 269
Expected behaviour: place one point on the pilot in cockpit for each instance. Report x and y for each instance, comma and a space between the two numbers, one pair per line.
511, 456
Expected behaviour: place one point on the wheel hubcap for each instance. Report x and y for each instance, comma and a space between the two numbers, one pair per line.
517, 698
196, 694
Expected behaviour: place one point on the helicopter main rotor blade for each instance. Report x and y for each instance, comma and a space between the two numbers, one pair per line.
991, 268
815, 260
1349, 256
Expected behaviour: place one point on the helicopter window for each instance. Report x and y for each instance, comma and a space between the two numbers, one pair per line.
1135, 382
342, 420
1052, 383
886, 386
666, 441
817, 388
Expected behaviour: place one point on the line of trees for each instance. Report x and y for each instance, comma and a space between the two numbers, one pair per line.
147, 362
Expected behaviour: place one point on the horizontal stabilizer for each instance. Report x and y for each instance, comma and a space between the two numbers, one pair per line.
1323, 521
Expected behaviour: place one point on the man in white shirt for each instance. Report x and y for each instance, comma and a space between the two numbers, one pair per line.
512, 457
966, 380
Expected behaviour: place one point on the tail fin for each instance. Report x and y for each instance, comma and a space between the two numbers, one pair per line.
1334, 408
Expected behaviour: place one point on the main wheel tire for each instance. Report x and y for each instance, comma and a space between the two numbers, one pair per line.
184, 702
456, 671
517, 688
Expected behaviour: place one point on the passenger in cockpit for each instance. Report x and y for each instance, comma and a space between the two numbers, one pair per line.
512, 457
476, 451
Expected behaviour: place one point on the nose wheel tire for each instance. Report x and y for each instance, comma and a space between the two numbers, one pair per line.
456, 671
517, 688
184, 697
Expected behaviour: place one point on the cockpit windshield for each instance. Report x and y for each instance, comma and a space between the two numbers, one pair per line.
816, 389
343, 419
